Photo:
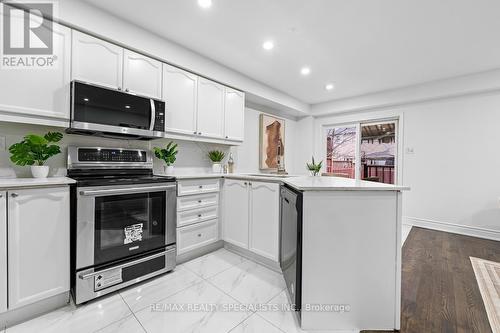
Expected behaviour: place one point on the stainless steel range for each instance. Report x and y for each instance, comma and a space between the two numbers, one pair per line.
123, 220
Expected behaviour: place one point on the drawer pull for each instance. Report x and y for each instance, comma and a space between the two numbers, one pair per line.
201, 186
199, 201
199, 215
199, 235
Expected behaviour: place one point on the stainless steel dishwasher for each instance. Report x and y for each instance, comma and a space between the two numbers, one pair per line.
291, 243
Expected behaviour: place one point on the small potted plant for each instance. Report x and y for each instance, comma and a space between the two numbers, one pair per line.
34, 150
314, 167
216, 156
168, 155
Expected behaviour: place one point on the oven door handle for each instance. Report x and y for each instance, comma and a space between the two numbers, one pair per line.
126, 190
153, 115
128, 264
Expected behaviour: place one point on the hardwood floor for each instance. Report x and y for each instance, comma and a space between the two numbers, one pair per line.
439, 289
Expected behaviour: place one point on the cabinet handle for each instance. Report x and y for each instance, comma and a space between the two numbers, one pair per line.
119, 88
14, 195
199, 235
195, 132
227, 137
199, 201
201, 186
1, 195
250, 184
199, 133
199, 215
126, 90
245, 183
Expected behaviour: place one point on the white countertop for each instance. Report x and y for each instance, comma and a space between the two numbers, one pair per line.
309, 183
30, 182
305, 183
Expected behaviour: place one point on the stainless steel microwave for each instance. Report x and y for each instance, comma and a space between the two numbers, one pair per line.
103, 111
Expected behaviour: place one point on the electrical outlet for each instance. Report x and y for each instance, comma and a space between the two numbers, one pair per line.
410, 150
2, 143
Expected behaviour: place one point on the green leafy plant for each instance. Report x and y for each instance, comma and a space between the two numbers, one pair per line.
216, 156
314, 167
35, 149
167, 154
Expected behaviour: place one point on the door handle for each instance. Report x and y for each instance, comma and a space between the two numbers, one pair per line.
153, 115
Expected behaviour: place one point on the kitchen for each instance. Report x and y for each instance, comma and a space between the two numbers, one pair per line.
176, 180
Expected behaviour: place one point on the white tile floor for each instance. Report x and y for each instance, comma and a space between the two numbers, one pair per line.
220, 278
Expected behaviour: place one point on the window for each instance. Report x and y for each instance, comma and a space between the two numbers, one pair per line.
341, 151
371, 146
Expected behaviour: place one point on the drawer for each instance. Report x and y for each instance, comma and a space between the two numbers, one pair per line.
197, 186
192, 216
197, 201
196, 235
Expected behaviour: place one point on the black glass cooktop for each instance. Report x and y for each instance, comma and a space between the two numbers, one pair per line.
116, 177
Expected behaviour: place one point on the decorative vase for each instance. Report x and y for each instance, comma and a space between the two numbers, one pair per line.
40, 171
216, 168
169, 169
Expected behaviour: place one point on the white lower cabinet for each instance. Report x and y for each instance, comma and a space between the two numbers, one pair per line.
38, 244
197, 214
251, 216
236, 212
3, 251
264, 219
197, 235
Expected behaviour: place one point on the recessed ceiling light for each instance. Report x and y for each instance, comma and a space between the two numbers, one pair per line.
305, 71
127, 106
268, 45
329, 86
85, 99
205, 3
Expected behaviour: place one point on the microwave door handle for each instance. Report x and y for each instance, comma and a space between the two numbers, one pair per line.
153, 115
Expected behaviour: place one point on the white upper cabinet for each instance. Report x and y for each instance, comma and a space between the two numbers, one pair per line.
38, 244
97, 61
3, 251
264, 219
234, 114
236, 212
142, 75
40, 92
210, 109
179, 93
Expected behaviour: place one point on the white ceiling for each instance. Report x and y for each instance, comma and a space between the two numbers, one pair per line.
361, 46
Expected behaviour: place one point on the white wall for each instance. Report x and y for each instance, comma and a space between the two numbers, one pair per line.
454, 170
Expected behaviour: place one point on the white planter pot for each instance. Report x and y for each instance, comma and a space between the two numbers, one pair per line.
40, 171
169, 169
216, 168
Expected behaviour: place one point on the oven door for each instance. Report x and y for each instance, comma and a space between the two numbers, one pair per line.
116, 222
103, 110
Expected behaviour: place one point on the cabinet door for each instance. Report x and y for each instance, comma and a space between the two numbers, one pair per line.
179, 93
264, 219
38, 244
234, 114
236, 212
210, 109
40, 92
97, 61
3, 251
142, 75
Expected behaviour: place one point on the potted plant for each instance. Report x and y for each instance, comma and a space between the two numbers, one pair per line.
168, 155
314, 167
216, 156
34, 150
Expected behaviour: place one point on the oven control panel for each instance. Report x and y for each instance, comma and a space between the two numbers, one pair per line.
107, 279
111, 155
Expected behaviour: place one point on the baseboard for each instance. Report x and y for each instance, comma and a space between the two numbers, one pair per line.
275, 266
182, 258
17, 316
453, 228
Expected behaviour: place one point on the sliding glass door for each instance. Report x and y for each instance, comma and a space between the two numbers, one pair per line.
365, 151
